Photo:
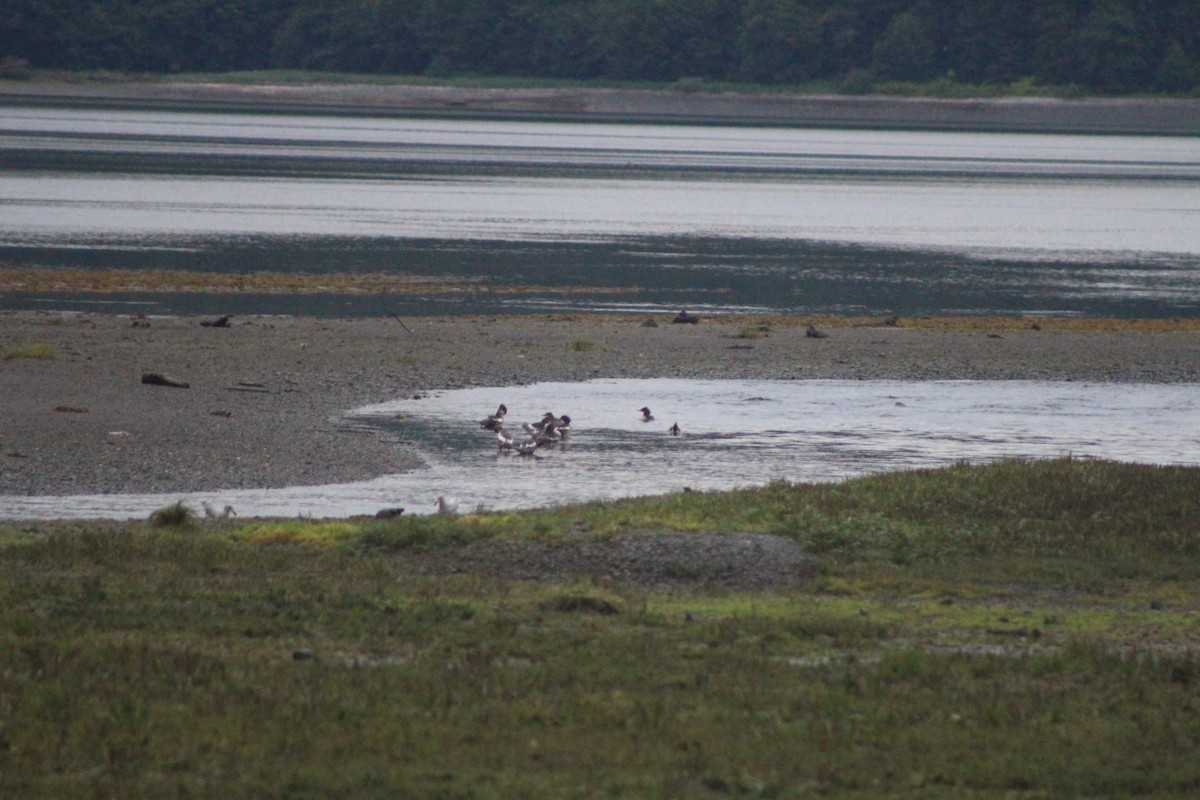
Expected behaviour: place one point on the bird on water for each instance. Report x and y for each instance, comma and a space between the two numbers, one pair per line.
492, 420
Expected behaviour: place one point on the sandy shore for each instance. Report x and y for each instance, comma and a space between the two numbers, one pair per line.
1179, 117
268, 397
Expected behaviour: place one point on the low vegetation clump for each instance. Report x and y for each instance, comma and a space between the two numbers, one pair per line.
40, 351
581, 344
176, 515
1015, 629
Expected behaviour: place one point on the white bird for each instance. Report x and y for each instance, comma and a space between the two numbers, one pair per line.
446, 505
211, 512
646, 415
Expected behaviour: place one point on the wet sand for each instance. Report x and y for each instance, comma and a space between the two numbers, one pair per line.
267, 397
686, 103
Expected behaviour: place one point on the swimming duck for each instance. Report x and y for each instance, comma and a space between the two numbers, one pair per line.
529, 446
526, 447
490, 422
549, 427
646, 415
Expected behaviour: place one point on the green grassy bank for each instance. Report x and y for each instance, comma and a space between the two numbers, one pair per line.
1009, 630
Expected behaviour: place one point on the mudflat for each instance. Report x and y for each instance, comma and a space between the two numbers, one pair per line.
267, 397
684, 103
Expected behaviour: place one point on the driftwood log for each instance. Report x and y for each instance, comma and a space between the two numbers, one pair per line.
155, 379
388, 513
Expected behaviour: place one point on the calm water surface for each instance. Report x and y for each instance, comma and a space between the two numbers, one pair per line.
644, 217
734, 433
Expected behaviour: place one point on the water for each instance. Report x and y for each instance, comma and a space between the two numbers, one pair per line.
734, 433
638, 217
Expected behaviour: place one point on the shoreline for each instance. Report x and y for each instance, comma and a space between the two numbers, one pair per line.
268, 396
1107, 116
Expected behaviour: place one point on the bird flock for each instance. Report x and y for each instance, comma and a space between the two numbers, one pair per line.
549, 430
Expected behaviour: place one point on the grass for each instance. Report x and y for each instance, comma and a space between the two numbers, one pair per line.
176, 515
33, 279
1009, 630
581, 344
40, 351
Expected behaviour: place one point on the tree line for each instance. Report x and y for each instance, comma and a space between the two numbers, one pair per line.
1097, 46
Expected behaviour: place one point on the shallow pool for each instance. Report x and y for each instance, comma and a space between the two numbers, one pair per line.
733, 433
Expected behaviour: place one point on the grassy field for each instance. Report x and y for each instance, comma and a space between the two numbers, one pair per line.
1008, 630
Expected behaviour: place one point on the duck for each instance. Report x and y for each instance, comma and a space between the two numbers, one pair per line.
529, 446
492, 420
646, 415
549, 427
674, 429
505, 441
559, 425
446, 505
524, 448
542, 434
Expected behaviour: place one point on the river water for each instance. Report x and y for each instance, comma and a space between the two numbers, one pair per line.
733, 433
606, 216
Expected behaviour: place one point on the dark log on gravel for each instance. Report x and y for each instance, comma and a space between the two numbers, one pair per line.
155, 379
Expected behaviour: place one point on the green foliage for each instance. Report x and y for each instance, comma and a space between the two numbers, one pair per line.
1125, 515
1105, 46
1109, 519
176, 515
905, 50
136, 663
40, 351
582, 344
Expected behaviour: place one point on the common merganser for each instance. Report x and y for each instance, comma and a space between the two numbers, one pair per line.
490, 422
646, 415
526, 447
549, 427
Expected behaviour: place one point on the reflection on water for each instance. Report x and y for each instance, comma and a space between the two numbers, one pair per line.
734, 433
713, 218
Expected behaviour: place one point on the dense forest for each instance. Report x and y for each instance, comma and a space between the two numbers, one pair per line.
1092, 46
